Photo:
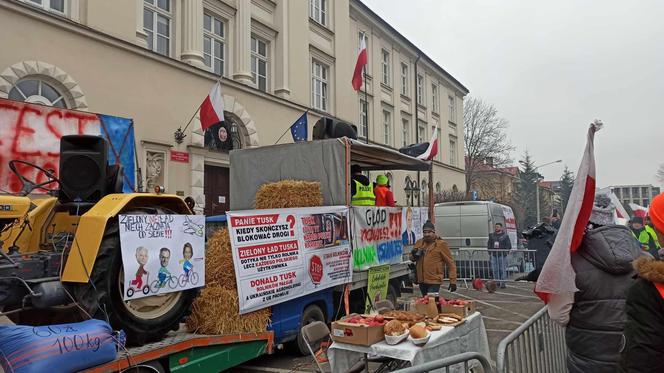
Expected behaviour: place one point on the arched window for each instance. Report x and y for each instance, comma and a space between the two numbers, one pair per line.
390, 179
36, 90
454, 188
425, 191
438, 188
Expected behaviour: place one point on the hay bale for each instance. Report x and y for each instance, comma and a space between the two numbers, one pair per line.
288, 194
219, 261
215, 311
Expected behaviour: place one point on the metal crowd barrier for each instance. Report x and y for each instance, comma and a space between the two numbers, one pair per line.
449, 364
538, 345
481, 263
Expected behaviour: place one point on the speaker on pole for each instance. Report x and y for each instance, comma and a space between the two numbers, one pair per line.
83, 161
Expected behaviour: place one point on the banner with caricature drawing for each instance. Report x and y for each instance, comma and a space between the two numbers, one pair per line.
162, 253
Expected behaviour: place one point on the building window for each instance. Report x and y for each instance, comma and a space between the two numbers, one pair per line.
406, 132
318, 11
434, 98
439, 188
319, 81
420, 90
214, 43
364, 119
635, 192
453, 150
259, 63
421, 132
452, 109
646, 202
38, 92
157, 25
404, 79
57, 6
387, 126
385, 67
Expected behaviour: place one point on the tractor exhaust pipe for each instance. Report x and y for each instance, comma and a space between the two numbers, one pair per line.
48, 294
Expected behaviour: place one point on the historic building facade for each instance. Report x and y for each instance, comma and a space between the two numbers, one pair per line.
155, 60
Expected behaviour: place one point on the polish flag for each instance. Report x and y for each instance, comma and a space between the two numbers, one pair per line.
359, 66
556, 282
432, 150
639, 210
212, 108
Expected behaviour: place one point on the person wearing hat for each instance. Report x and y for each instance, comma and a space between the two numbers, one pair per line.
595, 319
641, 234
644, 336
651, 231
384, 196
361, 188
430, 255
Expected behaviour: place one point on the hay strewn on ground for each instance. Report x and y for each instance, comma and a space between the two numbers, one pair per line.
288, 194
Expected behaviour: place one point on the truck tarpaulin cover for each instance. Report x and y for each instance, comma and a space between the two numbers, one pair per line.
32, 133
56, 348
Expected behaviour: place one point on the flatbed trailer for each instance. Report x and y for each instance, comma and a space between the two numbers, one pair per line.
185, 352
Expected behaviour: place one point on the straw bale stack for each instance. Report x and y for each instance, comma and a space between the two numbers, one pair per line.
289, 193
215, 310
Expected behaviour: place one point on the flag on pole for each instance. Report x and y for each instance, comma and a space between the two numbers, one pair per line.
299, 129
212, 108
638, 210
432, 149
359, 66
557, 281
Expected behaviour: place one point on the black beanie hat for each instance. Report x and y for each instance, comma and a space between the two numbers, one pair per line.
428, 225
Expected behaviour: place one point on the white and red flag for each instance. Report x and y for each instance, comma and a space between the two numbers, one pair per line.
432, 149
359, 66
639, 211
212, 108
557, 281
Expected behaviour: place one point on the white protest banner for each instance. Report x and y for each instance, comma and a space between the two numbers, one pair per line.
282, 254
162, 253
510, 225
377, 236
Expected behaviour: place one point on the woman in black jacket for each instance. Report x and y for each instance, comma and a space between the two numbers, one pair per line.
644, 330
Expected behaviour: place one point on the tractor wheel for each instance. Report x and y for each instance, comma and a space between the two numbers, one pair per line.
144, 319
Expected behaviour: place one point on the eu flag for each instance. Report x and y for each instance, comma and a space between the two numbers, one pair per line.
299, 129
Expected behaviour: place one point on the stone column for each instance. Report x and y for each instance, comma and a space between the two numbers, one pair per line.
141, 36
242, 71
192, 42
282, 88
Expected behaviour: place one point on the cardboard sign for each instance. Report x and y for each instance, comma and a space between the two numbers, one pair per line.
378, 281
162, 253
282, 254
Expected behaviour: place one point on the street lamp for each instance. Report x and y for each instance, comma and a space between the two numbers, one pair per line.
537, 181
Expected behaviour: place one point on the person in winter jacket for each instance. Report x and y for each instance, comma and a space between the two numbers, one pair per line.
498, 244
644, 329
430, 255
603, 266
648, 243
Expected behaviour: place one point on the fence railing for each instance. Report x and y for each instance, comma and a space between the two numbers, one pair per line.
449, 363
538, 345
500, 265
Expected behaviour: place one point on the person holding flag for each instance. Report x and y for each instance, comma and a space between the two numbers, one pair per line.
585, 278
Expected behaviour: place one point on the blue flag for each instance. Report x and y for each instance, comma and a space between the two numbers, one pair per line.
299, 129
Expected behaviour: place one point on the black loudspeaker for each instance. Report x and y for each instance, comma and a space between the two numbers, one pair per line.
328, 128
83, 160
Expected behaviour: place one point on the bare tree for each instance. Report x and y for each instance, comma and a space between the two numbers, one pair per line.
485, 138
660, 173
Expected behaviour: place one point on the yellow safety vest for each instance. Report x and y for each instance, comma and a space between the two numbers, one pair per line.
652, 234
364, 195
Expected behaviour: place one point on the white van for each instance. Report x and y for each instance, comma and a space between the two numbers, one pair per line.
467, 224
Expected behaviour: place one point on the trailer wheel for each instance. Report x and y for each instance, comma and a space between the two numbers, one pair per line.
311, 313
149, 367
392, 294
145, 319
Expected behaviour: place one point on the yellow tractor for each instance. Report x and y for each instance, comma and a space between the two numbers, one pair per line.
62, 249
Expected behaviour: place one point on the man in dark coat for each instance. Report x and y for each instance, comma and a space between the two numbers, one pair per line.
644, 329
603, 266
498, 245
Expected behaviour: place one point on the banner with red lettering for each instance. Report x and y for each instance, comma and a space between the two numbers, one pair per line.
283, 254
32, 133
377, 236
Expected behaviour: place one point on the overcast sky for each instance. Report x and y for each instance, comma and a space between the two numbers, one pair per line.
550, 68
